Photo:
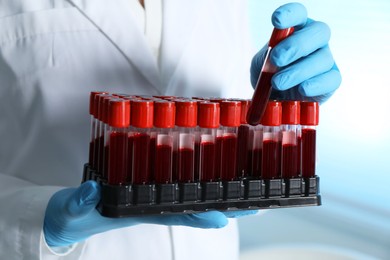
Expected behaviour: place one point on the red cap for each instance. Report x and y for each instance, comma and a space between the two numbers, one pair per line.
120, 95
310, 113
165, 97
142, 113
199, 98
279, 35
92, 105
145, 96
164, 114
291, 112
216, 99
230, 113
186, 113
98, 103
119, 113
273, 114
244, 110
208, 114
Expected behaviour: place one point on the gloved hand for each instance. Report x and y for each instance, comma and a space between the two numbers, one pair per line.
307, 69
71, 216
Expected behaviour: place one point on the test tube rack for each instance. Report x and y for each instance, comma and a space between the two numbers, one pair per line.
185, 198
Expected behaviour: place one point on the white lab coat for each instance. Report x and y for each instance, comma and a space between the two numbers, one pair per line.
52, 54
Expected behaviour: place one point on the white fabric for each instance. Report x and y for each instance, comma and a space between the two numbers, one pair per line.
52, 54
149, 21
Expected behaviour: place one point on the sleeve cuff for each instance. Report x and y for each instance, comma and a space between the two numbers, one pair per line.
57, 251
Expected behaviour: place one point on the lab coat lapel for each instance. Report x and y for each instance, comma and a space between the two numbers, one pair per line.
116, 23
179, 20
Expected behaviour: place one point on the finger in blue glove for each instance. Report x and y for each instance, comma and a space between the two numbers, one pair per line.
307, 68
71, 216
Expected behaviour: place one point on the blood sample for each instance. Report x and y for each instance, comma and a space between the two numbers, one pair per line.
118, 120
164, 121
230, 120
186, 121
270, 165
197, 152
245, 142
218, 153
99, 134
94, 123
208, 121
257, 151
263, 86
218, 141
106, 130
142, 123
290, 128
309, 121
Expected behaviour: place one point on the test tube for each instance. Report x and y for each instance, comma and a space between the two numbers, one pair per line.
142, 124
245, 142
186, 121
164, 121
263, 86
270, 165
290, 129
99, 134
93, 126
208, 121
309, 121
118, 120
130, 139
218, 141
230, 120
257, 150
106, 130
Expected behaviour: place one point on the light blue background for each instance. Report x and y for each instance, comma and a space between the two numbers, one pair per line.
353, 139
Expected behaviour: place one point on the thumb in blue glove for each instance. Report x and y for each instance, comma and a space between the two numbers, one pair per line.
307, 69
71, 216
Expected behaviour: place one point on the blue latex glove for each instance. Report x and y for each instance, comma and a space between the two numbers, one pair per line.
307, 69
71, 216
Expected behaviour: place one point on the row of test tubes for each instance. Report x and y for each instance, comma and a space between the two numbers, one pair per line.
138, 139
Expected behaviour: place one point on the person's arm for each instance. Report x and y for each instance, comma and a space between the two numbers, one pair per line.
23, 207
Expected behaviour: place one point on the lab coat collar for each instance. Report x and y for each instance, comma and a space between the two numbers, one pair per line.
116, 23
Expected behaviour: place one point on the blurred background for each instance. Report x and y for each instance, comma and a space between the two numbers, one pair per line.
353, 145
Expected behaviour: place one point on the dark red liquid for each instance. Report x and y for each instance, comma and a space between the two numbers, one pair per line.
229, 158
106, 152
271, 160
130, 140
289, 161
218, 158
207, 161
152, 157
175, 166
95, 154
256, 163
197, 159
299, 152
163, 168
260, 98
100, 162
186, 165
141, 170
249, 171
117, 158
96, 150
308, 152
91, 153
242, 152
